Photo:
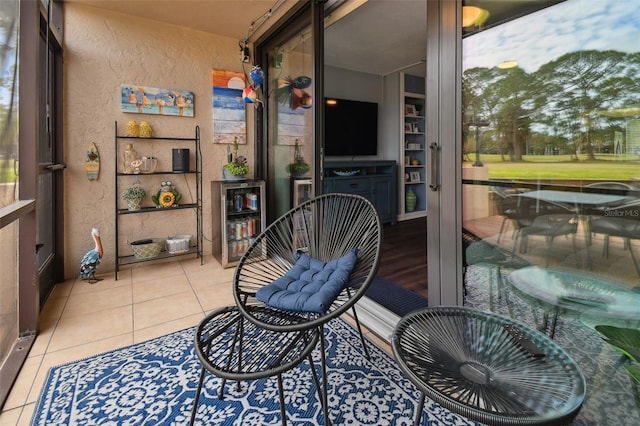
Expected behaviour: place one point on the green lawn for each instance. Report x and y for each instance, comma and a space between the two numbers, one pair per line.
563, 167
6, 171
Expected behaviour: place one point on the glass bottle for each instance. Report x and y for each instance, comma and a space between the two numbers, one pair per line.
128, 156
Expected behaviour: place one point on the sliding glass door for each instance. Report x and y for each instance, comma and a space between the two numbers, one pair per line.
548, 144
289, 142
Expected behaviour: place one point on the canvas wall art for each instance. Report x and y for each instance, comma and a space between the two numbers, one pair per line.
153, 100
229, 108
291, 125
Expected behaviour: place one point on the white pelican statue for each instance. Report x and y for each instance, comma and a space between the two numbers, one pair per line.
91, 260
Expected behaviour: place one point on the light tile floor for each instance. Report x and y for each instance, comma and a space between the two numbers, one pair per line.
81, 319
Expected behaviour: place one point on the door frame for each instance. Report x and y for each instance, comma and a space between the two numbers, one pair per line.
313, 13
50, 270
443, 118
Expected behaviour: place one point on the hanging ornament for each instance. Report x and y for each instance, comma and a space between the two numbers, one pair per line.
290, 90
249, 95
257, 75
307, 101
301, 82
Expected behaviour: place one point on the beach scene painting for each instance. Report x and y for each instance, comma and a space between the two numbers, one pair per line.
291, 125
229, 109
152, 100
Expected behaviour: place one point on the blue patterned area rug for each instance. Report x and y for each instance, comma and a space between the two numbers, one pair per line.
154, 383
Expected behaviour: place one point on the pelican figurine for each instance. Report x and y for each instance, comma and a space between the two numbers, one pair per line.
91, 260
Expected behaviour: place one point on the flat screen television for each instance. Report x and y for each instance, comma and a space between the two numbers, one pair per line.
351, 127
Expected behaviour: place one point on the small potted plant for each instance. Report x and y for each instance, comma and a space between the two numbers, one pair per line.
134, 196
299, 167
236, 167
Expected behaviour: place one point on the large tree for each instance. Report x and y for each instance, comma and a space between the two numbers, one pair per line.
501, 98
573, 90
575, 100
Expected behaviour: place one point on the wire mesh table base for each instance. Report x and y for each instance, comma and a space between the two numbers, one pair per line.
466, 361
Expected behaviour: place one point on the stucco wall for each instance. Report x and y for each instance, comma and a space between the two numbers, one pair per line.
102, 51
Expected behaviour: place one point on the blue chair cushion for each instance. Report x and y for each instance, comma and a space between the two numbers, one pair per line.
311, 285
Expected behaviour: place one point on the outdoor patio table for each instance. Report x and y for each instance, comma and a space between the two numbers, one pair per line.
558, 291
577, 202
468, 362
219, 345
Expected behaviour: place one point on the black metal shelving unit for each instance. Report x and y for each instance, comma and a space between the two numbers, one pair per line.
197, 249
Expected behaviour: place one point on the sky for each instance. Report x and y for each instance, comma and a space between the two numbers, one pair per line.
541, 37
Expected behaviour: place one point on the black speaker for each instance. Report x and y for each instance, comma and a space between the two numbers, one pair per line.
181, 159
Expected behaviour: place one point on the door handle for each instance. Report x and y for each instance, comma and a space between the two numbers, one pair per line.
435, 166
59, 166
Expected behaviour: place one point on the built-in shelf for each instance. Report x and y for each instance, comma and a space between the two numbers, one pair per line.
412, 147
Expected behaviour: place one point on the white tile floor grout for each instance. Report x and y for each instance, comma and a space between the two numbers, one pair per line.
81, 319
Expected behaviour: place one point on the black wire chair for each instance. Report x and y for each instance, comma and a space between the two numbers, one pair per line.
466, 361
326, 228
220, 345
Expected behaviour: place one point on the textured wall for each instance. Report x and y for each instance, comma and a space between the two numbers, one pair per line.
102, 51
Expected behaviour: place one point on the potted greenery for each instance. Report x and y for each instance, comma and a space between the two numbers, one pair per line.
134, 196
299, 167
236, 167
627, 342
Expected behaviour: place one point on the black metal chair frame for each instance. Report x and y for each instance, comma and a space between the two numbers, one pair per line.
232, 348
326, 227
464, 360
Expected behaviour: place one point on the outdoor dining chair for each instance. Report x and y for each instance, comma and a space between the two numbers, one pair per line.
521, 212
549, 226
317, 260
613, 188
623, 226
507, 204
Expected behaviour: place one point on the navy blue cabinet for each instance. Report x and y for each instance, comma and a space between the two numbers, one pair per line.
374, 180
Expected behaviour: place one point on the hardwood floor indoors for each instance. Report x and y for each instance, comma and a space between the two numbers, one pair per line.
404, 255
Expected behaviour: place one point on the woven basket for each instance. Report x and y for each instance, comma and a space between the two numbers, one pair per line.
145, 249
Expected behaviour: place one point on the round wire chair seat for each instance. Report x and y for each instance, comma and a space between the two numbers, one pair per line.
221, 348
466, 361
325, 227
232, 348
